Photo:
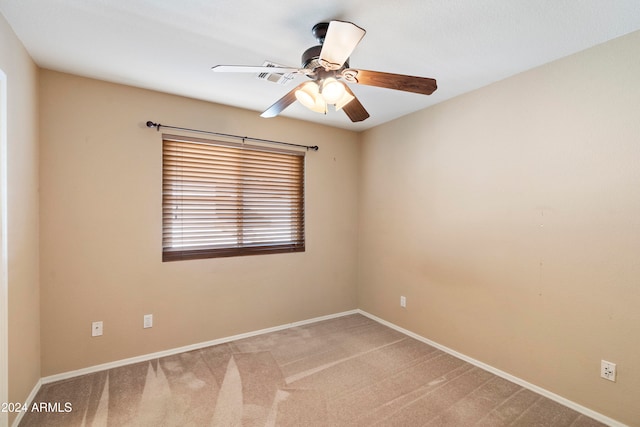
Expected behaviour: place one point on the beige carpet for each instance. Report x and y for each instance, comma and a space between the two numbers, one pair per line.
349, 371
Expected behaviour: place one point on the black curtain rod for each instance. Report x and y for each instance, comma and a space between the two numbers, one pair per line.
151, 124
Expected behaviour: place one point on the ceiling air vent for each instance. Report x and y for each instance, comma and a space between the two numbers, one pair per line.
279, 78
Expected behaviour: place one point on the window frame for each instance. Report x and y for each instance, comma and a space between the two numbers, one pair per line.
249, 165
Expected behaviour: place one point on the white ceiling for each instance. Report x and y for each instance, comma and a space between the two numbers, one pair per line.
170, 45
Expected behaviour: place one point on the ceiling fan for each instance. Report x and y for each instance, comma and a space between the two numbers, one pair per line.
327, 64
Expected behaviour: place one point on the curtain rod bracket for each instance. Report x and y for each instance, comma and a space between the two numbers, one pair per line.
151, 124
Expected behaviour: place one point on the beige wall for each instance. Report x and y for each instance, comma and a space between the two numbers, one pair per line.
101, 229
510, 219
22, 195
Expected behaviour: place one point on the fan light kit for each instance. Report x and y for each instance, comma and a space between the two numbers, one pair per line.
326, 65
316, 96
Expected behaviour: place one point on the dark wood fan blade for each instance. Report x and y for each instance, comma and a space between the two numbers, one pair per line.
281, 103
257, 69
422, 85
354, 109
340, 41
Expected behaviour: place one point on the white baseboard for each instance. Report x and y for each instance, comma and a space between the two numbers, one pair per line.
28, 401
173, 351
143, 358
546, 393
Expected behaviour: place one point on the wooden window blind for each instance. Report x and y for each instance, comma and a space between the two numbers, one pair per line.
223, 199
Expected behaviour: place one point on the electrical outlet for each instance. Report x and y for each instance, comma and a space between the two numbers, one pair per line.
608, 370
403, 301
96, 329
148, 321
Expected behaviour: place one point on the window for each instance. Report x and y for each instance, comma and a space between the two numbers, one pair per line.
224, 199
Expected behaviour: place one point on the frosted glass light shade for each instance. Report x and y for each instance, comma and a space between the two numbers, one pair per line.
309, 96
344, 100
332, 90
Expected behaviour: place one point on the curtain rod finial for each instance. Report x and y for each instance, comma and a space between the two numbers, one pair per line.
150, 124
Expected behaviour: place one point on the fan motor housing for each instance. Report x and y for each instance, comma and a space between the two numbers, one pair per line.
310, 58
